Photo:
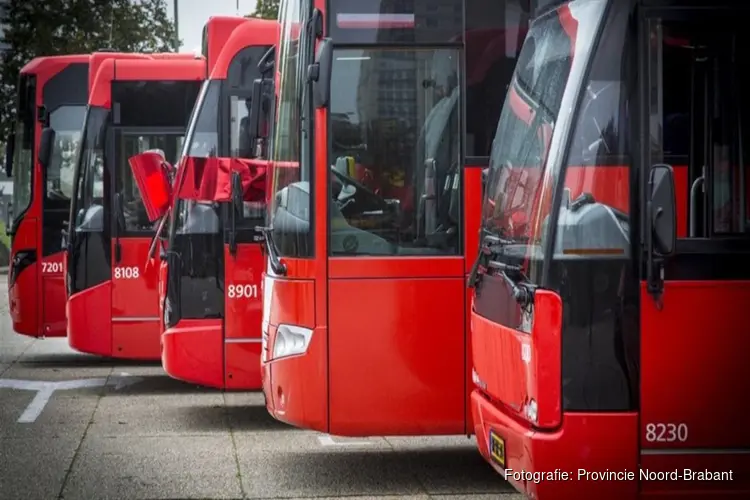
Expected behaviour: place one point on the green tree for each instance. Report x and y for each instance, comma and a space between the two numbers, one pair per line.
77, 27
266, 9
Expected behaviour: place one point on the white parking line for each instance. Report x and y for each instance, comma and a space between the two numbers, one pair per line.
44, 390
327, 440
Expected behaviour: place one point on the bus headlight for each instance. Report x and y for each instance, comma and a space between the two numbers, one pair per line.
291, 340
532, 411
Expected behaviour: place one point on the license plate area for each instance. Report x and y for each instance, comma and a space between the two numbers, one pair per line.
497, 449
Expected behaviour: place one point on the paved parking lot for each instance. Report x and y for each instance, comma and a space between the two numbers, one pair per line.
79, 427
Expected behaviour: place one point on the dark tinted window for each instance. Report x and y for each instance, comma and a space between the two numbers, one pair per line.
69, 87
244, 67
591, 265
494, 35
395, 21
153, 103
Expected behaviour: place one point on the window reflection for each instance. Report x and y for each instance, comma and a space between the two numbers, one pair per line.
395, 152
67, 122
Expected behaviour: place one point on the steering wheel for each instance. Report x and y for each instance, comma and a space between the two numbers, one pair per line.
359, 188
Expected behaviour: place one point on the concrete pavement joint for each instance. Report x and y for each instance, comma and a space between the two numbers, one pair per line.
234, 445
61, 496
20, 355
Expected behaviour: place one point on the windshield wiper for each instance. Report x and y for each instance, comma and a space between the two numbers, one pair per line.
523, 292
277, 266
490, 244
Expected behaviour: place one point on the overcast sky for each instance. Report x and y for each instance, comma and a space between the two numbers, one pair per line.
193, 14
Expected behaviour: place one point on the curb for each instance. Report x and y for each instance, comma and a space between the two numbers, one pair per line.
4, 271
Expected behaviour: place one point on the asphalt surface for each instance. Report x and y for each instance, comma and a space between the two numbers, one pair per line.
79, 427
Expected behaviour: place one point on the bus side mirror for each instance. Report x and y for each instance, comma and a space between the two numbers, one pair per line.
662, 210
237, 192
152, 179
45, 147
10, 146
266, 63
319, 73
237, 211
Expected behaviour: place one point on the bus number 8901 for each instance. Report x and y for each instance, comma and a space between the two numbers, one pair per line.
242, 291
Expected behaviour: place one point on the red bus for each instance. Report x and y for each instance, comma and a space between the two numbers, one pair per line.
136, 103
377, 159
616, 210
52, 92
212, 271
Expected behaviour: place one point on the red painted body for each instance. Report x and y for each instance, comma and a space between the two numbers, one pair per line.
37, 293
126, 321
679, 351
389, 352
225, 354
242, 331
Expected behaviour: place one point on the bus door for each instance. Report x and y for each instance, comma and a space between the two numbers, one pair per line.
396, 288
244, 264
135, 308
694, 330
244, 261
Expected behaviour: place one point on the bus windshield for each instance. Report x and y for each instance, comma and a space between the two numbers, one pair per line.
87, 210
23, 157
202, 139
519, 190
67, 123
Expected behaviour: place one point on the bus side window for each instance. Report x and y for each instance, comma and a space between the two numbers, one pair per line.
710, 170
728, 121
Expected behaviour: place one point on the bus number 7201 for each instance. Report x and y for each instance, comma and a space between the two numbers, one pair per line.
52, 267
